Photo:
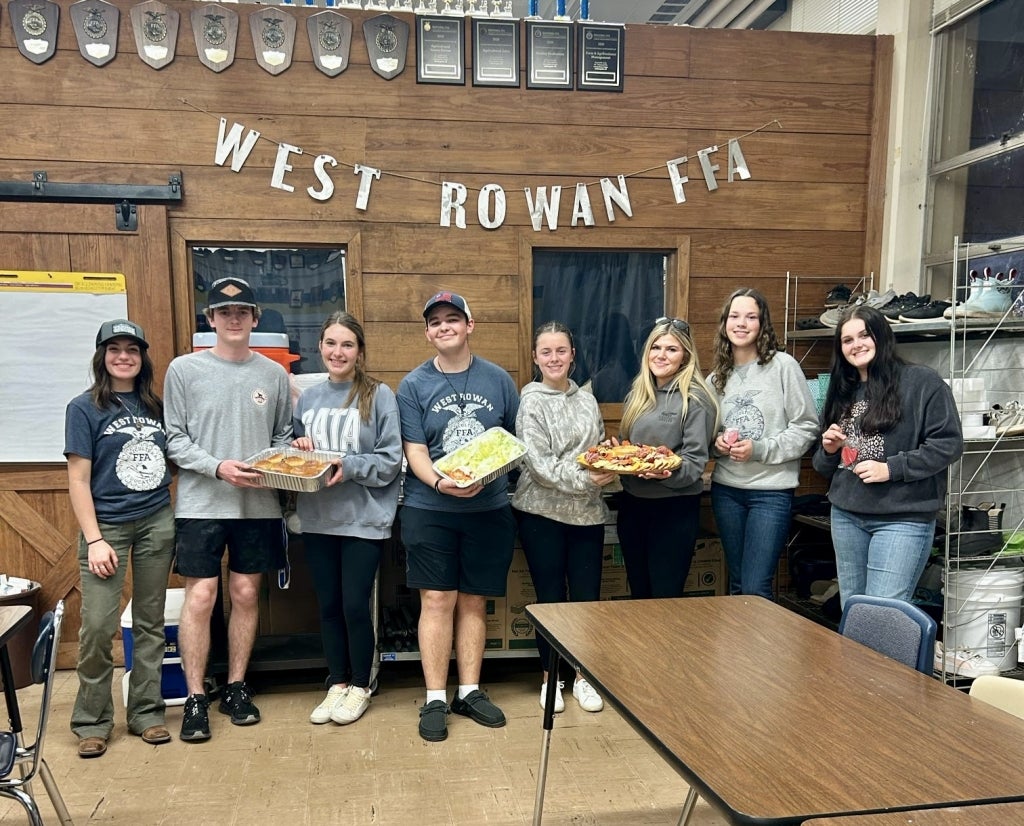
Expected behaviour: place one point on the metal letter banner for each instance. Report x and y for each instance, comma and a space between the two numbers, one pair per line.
156, 32
95, 23
216, 32
330, 39
273, 38
35, 27
387, 42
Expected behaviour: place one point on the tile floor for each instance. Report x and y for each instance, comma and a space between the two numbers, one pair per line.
376, 771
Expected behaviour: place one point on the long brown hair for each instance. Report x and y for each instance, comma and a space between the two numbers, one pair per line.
767, 343
102, 390
363, 385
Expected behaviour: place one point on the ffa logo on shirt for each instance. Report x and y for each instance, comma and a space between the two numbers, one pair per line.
260, 397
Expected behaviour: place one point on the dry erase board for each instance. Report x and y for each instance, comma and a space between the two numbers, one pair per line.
48, 324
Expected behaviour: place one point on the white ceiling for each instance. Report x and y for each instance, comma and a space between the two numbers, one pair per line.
699, 13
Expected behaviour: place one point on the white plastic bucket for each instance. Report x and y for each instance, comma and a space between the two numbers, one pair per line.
982, 611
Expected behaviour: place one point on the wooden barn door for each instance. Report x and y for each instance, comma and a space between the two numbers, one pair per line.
38, 531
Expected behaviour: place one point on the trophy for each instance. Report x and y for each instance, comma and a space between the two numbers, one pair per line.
453, 7
501, 9
427, 7
401, 5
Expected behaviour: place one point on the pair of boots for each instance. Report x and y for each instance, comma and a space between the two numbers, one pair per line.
979, 532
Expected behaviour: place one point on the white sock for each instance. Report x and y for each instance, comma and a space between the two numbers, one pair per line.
440, 694
465, 690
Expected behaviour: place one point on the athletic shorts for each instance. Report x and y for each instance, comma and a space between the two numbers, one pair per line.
254, 546
466, 552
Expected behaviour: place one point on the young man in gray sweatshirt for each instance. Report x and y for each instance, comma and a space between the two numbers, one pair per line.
222, 406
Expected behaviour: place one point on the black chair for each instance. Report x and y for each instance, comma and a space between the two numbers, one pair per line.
19, 763
892, 627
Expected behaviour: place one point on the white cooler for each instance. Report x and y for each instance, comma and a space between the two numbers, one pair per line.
172, 683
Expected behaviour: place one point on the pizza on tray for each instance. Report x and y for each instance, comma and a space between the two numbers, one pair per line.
629, 458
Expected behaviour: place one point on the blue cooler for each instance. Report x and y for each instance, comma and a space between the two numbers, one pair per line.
172, 683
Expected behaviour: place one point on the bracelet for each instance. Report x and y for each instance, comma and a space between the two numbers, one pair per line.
437, 488
87, 544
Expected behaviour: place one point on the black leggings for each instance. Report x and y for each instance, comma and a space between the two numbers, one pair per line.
344, 569
657, 538
560, 554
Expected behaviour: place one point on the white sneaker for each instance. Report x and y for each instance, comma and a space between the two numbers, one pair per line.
963, 663
322, 713
352, 706
585, 695
559, 702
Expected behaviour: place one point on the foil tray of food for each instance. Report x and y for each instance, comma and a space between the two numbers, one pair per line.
629, 459
482, 459
288, 468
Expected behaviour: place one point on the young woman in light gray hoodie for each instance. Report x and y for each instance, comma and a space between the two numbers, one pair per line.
557, 501
344, 524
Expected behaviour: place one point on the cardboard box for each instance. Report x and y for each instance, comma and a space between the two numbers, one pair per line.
495, 634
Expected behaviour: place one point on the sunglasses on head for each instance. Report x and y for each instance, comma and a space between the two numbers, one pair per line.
677, 323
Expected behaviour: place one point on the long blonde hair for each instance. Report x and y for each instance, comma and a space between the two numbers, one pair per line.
689, 381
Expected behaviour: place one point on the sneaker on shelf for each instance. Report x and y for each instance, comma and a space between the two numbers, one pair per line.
352, 706
237, 702
989, 299
902, 303
932, 311
478, 708
195, 719
974, 283
322, 713
872, 298
559, 702
1008, 421
963, 663
585, 695
838, 296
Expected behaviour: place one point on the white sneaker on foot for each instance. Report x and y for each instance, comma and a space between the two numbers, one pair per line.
322, 713
585, 695
352, 705
559, 702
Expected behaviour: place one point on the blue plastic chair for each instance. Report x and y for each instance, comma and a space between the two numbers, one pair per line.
891, 627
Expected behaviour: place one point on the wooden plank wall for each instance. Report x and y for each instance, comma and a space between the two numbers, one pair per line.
813, 205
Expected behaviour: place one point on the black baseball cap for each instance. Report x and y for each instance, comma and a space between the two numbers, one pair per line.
121, 328
457, 301
225, 292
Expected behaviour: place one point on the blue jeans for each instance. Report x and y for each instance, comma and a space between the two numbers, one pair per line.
753, 525
879, 557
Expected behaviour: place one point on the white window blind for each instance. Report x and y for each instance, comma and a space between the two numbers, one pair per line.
834, 16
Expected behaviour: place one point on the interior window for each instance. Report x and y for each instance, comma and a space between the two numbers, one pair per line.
610, 301
296, 289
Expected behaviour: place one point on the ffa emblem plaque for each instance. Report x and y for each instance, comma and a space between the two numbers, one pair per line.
156, 32
387, 41
216, 32
95, 23
273, 38
330, 38
35, 27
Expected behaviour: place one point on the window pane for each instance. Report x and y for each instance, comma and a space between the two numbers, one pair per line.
981, 73
296, 290
609, 300
980, 203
